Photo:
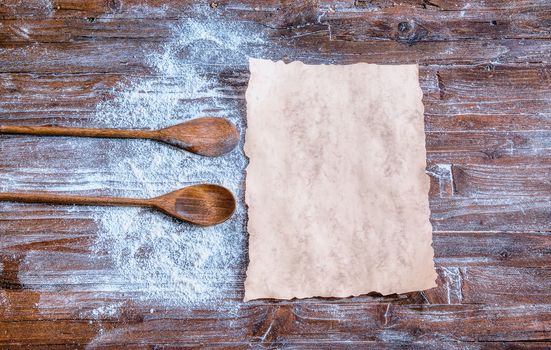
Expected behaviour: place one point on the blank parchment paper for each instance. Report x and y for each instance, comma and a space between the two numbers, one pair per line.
336, 184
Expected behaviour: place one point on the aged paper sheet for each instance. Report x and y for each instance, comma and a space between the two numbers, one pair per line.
336, 184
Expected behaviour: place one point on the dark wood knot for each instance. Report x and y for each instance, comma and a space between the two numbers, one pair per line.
114, 6
410, 32
504, 255
404, 27
361, 3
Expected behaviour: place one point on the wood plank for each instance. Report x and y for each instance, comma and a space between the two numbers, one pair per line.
351, 7
85, 29
71, 8
493, 181
481, 98
287, 324
486, 249
487, 97
386, 52
72, 99
491, 214
490, 148
127, 56
504, 285
405, 23
80, 57
287, 14
32, 97
419, 24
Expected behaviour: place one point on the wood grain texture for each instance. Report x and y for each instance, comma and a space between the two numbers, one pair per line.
486, 76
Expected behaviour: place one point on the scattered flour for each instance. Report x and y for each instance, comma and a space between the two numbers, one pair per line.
144, 256
160, 259
104, 311
44, 7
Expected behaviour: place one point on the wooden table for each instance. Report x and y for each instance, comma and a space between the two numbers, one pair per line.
486, 76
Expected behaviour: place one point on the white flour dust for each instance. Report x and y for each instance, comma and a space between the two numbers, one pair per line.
159, 259
140, 255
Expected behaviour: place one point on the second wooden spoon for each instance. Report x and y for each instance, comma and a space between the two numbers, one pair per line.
203, 204
208, 136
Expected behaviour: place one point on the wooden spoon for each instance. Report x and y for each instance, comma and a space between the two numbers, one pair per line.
208, 136
203, 204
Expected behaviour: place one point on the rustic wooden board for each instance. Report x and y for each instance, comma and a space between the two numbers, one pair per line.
486, 77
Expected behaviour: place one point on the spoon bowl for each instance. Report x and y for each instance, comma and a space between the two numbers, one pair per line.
203, 204
207, 136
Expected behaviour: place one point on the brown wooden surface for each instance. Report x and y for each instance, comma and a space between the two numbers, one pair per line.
486, 77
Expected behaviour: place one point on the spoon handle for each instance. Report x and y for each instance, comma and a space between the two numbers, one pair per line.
72, 200
78, 132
